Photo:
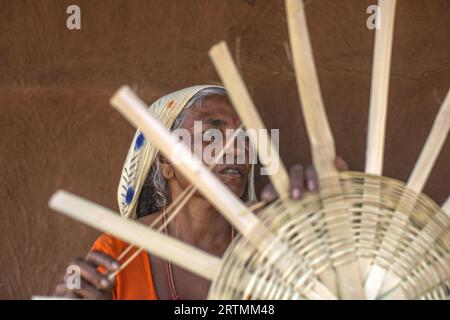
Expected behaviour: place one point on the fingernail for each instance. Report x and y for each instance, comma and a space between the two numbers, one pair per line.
267, 195
311, 185
296, 193
104, 283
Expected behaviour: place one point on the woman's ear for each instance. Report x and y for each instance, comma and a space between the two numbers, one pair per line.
166, 168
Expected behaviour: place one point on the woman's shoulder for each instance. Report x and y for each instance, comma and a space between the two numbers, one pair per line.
109, 244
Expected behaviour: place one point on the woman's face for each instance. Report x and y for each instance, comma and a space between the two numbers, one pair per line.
217, 115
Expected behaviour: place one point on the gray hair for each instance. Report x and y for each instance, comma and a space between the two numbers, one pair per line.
155, 193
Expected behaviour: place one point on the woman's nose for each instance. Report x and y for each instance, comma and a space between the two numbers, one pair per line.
236, 154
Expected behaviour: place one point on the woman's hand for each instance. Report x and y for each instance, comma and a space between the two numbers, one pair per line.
301, 179
93, 284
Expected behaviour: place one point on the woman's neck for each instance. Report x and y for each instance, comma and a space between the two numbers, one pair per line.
200, 224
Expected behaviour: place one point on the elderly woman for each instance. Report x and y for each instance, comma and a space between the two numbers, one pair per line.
149, 183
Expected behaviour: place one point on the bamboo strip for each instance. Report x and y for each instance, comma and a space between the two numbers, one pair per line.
432, 148
165, 247
379, 92
446, 206
318, 128
319, 132
244, 106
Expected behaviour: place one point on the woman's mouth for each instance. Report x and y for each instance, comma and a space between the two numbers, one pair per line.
231, 172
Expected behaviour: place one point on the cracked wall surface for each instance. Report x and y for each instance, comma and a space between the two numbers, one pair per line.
58, 131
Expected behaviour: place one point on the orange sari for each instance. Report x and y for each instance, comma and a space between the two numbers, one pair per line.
135, 281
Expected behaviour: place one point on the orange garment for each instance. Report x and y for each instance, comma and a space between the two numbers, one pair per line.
135, 281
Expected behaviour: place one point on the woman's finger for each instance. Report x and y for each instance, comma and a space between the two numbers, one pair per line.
87, 291
312, 181
268, 194
296, 181
61, 290
341, 164
101, 259
90, 273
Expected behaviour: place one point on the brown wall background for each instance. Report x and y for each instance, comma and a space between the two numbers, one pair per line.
58, 131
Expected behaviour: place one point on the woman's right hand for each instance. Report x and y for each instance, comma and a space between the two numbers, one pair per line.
92, 283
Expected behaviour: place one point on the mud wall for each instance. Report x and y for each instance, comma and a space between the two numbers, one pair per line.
57, 129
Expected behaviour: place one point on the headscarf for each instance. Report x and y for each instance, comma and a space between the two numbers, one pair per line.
142, 152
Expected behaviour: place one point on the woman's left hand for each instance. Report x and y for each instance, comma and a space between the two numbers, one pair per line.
301, 178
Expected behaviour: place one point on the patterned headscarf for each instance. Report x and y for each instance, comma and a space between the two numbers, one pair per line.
142, 152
